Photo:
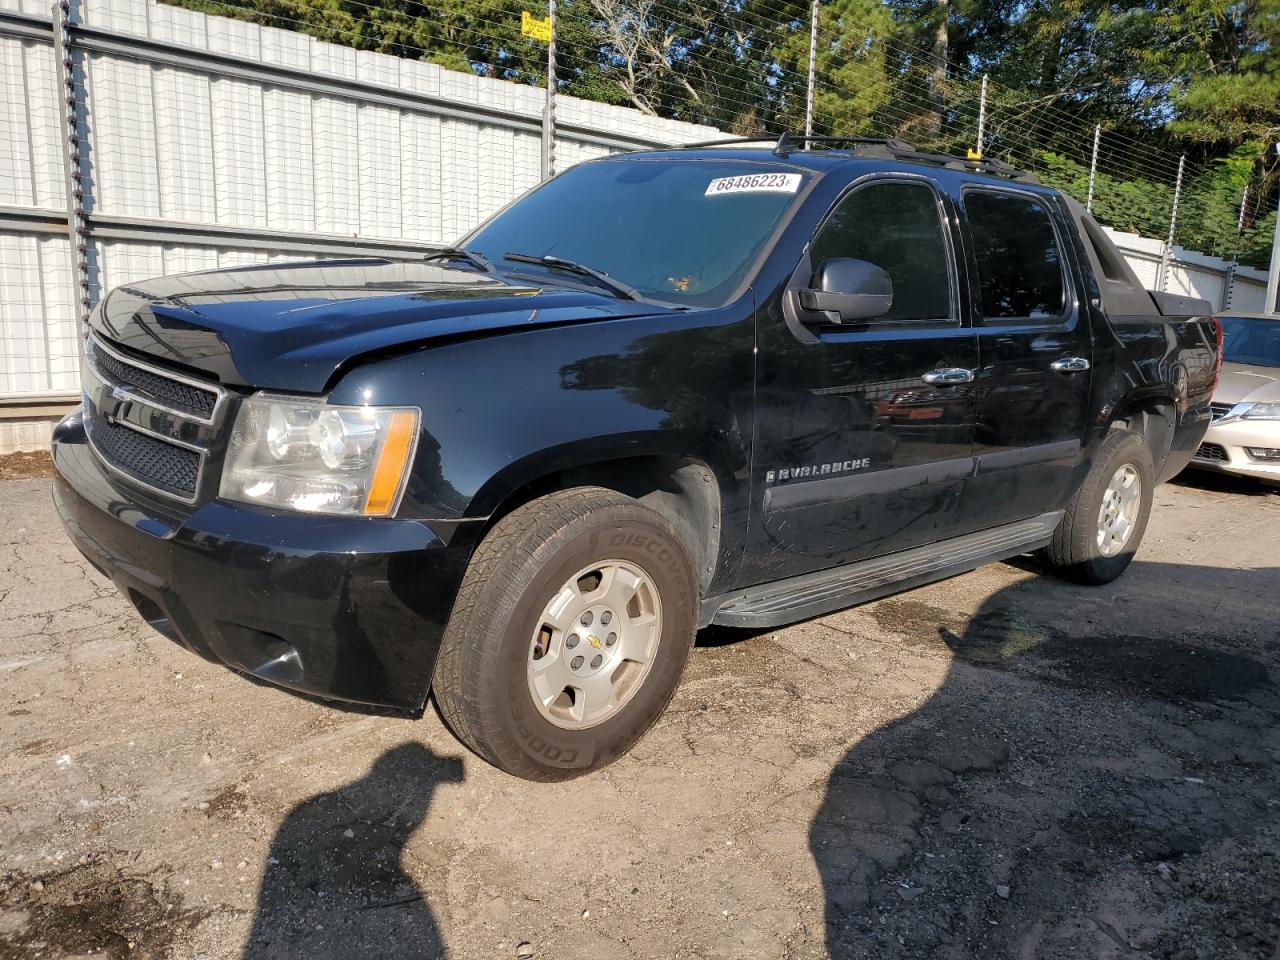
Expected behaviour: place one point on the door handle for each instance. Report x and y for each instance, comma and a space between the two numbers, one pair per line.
947, 376
1070, 365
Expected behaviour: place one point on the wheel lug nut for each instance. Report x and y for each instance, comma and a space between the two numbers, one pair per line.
575, 663
610, 640
586, 619
572, 641
596, 660
606, 617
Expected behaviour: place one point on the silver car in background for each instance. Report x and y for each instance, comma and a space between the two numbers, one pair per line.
1244, 437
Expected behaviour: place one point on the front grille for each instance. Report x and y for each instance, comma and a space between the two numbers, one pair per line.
148, 424
179, 396
170, 469
1220, 410
1212, 453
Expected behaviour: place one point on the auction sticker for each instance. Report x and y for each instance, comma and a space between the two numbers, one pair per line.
754, 183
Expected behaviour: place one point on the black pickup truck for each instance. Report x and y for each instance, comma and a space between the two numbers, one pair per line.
739, 385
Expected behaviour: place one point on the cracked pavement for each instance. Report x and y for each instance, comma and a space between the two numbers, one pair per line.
999, 765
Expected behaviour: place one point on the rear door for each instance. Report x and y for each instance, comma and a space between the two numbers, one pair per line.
855, 454
1035, 356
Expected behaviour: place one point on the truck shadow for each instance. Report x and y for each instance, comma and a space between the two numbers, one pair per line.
1080, 789
334, 885
1225, 483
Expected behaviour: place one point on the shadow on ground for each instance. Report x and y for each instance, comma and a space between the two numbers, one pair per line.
1225, 483
335, 884
1102, 789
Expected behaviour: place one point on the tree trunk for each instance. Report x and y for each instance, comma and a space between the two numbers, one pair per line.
938, 81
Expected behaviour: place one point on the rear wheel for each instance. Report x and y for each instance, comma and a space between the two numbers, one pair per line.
1103, 526
569, 634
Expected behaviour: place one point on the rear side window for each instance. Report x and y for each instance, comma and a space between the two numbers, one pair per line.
894, 224
1019, 263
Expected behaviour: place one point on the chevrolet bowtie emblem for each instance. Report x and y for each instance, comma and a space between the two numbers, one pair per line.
594, 641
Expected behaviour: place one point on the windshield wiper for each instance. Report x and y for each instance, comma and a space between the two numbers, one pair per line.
570, 266
477, 260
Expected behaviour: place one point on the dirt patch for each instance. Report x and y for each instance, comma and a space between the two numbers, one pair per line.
91, 908
227, 804
26, 466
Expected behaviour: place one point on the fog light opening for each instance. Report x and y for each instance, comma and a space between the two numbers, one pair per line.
1263, 453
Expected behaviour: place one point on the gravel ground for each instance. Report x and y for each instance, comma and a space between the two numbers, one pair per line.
1000, 765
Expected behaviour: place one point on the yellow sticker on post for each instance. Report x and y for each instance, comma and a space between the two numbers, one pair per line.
539, 28
754, 183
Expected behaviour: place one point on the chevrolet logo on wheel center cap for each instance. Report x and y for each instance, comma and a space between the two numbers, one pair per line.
594, 641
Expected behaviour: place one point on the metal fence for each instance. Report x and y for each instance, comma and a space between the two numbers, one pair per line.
140, 139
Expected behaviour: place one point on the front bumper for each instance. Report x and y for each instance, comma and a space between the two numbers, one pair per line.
344, 608
1225, 449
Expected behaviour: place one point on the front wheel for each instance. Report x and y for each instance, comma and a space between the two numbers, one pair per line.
569, 635
1103, 525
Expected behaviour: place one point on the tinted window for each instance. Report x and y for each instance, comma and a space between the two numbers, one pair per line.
1246, 340
1017, 252
677, 230
896, 226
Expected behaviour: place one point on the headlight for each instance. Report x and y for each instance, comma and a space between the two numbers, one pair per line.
1258, 411
314, 457
1246, 410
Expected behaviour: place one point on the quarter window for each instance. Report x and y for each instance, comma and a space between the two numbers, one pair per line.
896, 226
1019, 264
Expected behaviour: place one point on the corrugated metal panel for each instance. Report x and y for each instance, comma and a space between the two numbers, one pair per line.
23, 363
290, 173
184, 145
122, 115
15, 131
239, 158
337, 165
59, 314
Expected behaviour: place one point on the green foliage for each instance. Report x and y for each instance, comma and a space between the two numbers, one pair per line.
1208, 212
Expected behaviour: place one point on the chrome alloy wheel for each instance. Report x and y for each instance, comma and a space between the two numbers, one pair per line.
1121, 505
594, 644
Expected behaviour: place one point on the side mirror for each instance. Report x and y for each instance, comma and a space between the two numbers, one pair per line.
846, 290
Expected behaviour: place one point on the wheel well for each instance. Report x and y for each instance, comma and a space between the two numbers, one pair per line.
1154, 422
681, 489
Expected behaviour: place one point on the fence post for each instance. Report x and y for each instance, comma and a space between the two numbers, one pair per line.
1093, 164
813, 69
1162, 280
1230, 284
982, 116
1273, 275
549, 111
77, 223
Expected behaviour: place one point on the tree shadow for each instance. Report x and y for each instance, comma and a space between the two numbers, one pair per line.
334, 884
1082, 783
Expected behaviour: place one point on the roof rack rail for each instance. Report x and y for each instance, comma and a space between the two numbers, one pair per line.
889, 147
788, 143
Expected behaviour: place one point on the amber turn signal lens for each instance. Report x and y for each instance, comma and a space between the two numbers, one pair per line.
393, 464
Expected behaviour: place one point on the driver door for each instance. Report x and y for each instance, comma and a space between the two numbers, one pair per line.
855, 453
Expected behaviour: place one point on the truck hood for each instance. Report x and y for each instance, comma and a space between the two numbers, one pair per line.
1247, 381
291, 326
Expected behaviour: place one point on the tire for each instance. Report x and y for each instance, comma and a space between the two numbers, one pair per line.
504, 631
1075, 553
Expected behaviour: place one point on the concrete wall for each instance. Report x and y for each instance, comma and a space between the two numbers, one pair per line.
1242, 289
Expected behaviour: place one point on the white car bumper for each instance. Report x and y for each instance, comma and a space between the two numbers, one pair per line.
1242, 447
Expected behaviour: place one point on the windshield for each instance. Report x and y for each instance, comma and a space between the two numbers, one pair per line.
1249, 340
681, 231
